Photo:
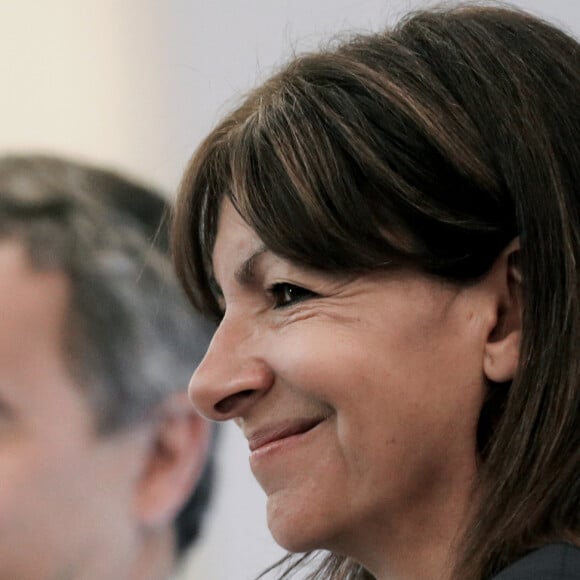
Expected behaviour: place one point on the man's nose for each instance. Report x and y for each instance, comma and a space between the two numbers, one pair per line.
232, 376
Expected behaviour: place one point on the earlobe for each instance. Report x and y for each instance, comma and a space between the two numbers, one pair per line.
177, 453
502, 350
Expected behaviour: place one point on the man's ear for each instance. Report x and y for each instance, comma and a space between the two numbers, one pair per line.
502, 350
177, 453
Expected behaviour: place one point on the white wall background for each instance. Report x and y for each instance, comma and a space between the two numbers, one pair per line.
135, 85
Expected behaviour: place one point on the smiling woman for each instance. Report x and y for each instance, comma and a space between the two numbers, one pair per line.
388, 232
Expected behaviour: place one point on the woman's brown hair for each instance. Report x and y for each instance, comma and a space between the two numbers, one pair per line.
434, 144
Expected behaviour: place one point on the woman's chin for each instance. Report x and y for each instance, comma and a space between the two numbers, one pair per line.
299, 529
293, 540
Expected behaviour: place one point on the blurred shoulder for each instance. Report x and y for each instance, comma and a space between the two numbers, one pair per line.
552, 562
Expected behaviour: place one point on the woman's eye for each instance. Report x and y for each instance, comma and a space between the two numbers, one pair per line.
285, 294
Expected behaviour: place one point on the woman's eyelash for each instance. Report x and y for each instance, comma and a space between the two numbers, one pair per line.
285, 294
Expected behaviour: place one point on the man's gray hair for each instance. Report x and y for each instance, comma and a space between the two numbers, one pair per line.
133, 338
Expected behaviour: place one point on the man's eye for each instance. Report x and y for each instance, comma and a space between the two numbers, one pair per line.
285, 294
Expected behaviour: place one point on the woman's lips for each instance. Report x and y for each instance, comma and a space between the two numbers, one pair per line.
272, 433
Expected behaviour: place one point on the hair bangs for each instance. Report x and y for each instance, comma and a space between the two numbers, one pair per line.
195, 219
296, 182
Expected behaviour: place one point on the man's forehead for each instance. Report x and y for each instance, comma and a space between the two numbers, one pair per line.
29, 298
35, 377
15, 259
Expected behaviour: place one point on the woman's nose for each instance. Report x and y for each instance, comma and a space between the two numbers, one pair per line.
230, 378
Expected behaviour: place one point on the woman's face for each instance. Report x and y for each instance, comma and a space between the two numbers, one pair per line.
359, 395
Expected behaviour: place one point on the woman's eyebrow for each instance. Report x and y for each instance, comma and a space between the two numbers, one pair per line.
245, 273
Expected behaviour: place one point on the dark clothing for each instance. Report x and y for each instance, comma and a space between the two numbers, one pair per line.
552, 562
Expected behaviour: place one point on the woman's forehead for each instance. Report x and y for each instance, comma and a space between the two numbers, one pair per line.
236, 243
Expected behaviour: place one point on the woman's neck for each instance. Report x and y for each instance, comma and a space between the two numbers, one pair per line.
423, 542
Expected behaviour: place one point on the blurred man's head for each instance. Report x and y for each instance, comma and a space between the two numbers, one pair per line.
99, 449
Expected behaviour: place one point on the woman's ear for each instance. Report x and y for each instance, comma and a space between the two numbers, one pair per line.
177, 453
502, 350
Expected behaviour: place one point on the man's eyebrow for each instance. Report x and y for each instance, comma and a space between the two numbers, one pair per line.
245, 273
